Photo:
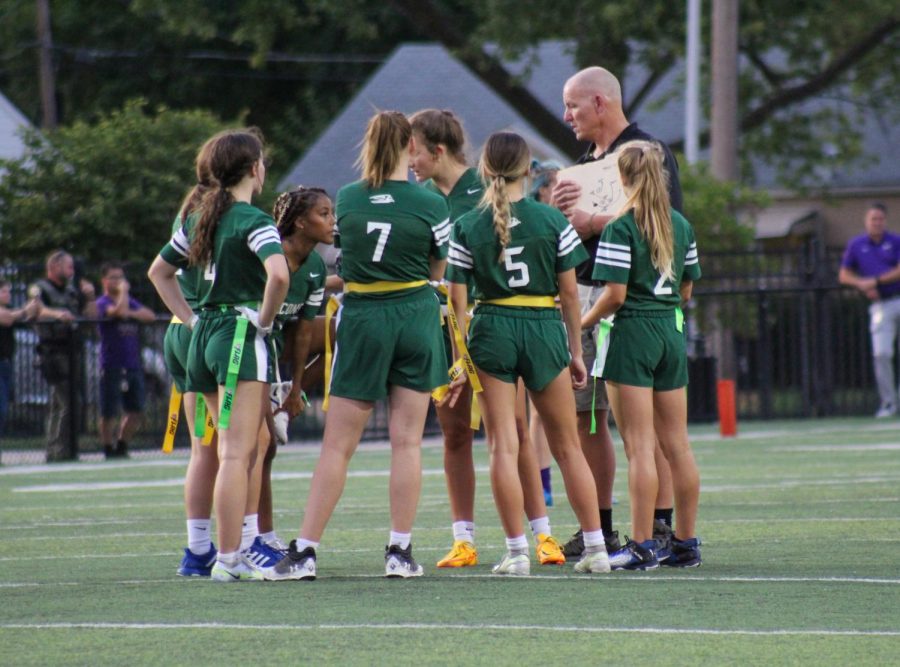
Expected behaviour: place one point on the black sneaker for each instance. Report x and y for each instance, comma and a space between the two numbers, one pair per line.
296, 565
612, 542
663, 535
685, 553
635, 556
574, 548
399, 563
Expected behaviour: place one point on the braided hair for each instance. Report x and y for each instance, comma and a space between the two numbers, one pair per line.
292, 205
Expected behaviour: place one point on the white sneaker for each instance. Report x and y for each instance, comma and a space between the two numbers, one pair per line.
517, 565
596, 562
399, 563
243, 570
885, 411
296, 565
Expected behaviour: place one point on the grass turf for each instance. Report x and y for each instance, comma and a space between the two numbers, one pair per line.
799, 522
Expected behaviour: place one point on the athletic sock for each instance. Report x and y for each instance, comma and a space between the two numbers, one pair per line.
606, 521
300, 544
540, 526
249, 531
402, 540
268, 538
464, 531
517, 545
664, 515
593, 540
229, 559
199, 539
545, 479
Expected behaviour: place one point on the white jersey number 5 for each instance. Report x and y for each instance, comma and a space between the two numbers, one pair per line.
384, 230
516, 267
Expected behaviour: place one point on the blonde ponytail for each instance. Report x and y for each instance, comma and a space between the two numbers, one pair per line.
645, 181
505, 159
387, 136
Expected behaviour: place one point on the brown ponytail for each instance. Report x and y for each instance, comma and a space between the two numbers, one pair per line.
436, 127
505, 159
387, 136
230, 156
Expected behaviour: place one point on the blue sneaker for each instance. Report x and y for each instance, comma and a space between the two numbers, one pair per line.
262, 555
662, 535
634, 556
685, 553
193, 565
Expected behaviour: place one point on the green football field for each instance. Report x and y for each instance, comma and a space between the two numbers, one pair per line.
800, 523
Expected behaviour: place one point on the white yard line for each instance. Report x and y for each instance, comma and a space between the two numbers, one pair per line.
431, 627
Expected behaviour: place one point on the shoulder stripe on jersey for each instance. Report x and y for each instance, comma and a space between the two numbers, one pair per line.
614, 246
460, 248
690, 262
261, 240
606, 253
441, 232
180, 242
610, 262
262, 230
458, 259
315, 298
569, 247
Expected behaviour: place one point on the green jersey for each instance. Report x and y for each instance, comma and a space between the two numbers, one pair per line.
245, 238
542, 245
189, 278
623, 256
390, 232
304, 298
464, 196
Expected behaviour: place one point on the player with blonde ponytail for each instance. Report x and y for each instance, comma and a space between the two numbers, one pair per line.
521, 254
647, 258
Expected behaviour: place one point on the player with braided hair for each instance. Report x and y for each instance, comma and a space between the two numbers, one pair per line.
521, 254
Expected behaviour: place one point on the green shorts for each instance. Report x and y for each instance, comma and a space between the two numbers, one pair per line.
211, 348
646, 350
508, 343
385, 342
175, 350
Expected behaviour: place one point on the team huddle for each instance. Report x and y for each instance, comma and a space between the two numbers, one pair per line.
459, 290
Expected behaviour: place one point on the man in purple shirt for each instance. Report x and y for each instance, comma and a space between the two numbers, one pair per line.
871, 264
121, 374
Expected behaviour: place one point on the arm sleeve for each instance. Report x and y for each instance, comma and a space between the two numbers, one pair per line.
691, 259
459, 259
313, 302
613, 261
177, 250
440, 230
848, 261
264, 239
570, 250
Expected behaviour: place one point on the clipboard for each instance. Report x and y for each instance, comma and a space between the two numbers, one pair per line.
601, 185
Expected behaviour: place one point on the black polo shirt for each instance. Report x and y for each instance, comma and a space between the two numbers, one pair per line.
630, 133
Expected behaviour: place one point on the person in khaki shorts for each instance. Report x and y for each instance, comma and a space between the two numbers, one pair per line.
647, 259
521, 254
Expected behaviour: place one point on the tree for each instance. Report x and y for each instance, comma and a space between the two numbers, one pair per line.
108, 189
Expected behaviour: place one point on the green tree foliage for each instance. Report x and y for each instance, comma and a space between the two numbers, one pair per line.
107, 189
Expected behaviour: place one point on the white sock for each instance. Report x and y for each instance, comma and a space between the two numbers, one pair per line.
593, 538
268, 538
230, 559
400, 539
199, 539
540, 526
301, 544
464, 531
249, 531
517, 544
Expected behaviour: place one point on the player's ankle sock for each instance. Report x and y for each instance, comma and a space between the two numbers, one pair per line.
664, 515
517, 545
545, 479
300, 544
606, 521
249, 531
592, 539
464, 531
199, 539
540, 525
402, 540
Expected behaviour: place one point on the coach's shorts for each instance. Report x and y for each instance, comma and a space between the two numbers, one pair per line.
646, 350
121, 387
211, 347
509, 343
175, 350
385, 342
585, 398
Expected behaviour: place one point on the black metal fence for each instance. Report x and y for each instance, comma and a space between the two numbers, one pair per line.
778, 323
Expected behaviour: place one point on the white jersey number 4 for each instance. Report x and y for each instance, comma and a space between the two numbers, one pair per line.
384, 230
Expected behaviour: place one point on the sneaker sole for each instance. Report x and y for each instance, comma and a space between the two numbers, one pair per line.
408, 575
189, 573
466, 564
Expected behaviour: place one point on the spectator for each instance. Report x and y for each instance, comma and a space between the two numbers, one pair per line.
60, 349
870, 264
121, 375
8, 317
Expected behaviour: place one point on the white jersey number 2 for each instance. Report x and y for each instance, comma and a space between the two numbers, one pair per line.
520, 268
661, 289
384, 230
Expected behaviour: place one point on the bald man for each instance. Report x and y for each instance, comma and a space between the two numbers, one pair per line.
593, 108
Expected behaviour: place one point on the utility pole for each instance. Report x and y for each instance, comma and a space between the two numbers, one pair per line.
46, 74
724, 125
692, 85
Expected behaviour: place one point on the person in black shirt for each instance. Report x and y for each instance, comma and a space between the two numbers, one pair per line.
8, 317
593, 108
60, 349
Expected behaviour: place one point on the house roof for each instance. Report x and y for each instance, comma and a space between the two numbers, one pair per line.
11, 121
418, 76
